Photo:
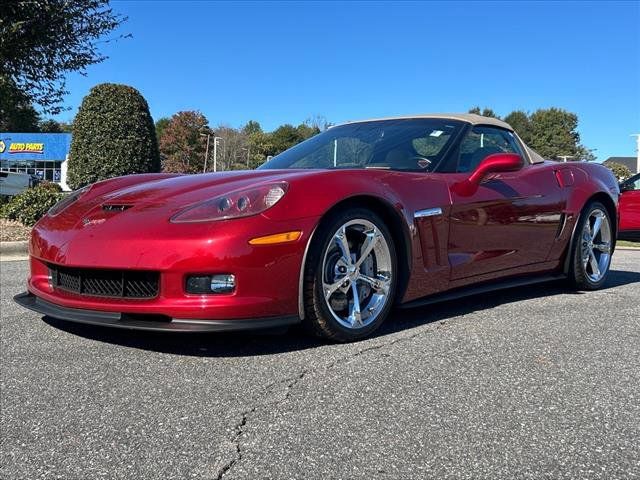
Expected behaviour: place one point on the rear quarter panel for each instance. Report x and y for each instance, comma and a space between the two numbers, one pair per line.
588, 181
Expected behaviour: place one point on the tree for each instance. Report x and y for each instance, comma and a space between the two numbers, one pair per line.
620, 171
286, 136
161, 124
113, 135
554, 134
251, 127
486, 112
260, 146
521, 123
16, 112
53, 126
182, 147
41, 41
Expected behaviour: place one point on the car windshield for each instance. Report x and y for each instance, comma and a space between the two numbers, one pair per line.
406, 144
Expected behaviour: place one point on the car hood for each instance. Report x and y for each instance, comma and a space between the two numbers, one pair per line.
168, 195
184, 190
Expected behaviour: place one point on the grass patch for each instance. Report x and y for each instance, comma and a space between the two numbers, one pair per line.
626, 243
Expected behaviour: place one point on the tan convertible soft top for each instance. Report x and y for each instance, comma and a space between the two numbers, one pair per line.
472, 118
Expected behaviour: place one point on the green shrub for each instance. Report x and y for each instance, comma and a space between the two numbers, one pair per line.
29, 206
54, 187
620, 171
113, 135
4, 201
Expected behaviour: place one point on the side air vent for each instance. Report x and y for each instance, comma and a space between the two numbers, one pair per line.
113, 207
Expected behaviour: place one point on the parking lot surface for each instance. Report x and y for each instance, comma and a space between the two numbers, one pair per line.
533, 382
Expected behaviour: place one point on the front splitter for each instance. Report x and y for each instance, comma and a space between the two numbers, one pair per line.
138, 322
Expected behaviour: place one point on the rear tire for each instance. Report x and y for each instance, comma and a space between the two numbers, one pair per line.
592, 247
350, 276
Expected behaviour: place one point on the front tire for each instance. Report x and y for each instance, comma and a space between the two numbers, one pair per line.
350, 276
592, 247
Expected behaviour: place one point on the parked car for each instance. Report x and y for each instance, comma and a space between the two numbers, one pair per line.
12, 183
332, 233
630, 209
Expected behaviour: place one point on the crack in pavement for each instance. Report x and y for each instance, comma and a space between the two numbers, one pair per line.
291, 382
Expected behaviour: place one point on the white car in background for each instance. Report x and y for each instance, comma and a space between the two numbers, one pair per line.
12, 183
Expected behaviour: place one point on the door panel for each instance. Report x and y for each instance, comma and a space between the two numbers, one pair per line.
630, 210
511, 220
630, 204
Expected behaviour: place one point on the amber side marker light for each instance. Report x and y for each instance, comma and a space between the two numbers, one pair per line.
276, 238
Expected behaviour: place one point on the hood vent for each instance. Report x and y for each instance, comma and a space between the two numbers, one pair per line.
115, 207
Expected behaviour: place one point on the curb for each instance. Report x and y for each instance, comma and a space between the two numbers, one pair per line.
14, 248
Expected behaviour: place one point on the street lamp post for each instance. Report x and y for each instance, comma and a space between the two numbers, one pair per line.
248, 149
215, 152
637, 135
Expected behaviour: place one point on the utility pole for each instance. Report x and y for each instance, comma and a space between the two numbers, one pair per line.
565, 157
206, 153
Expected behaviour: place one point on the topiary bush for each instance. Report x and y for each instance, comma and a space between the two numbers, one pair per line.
31, 205
113, 135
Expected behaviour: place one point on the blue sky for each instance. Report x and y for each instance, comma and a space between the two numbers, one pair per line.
284, 62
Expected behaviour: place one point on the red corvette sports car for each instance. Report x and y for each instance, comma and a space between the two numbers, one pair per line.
331, 233
630, 209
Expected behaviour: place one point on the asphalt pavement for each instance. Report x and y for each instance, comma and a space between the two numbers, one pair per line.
534, 382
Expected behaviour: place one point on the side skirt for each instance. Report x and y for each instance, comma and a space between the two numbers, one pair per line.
482, 288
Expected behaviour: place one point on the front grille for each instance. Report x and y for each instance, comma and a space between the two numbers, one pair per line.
105, 283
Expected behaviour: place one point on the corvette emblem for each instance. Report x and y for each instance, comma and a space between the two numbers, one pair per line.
95, 221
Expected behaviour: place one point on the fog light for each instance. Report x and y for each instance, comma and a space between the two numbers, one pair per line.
221, 283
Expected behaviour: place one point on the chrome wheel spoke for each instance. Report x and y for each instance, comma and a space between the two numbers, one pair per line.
595, 268
604, 247
331, 289
368, 246
342, 243
380, 285
597, 224
355, 317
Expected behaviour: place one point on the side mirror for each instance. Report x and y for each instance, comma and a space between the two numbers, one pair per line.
498, 162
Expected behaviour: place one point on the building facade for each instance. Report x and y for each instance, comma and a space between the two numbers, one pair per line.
44, 155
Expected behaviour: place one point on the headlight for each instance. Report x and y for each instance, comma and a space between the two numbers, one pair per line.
242, 203
68, 200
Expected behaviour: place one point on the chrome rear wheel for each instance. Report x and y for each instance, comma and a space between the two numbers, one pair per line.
596, 245
592, 247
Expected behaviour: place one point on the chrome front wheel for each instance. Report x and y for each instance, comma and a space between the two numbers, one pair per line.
350, 276
357, 274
